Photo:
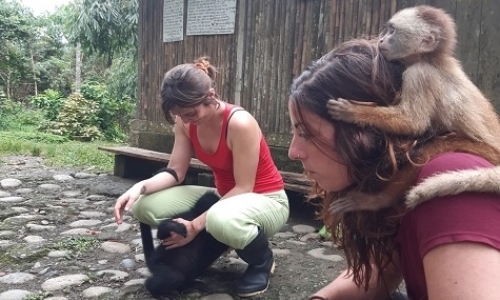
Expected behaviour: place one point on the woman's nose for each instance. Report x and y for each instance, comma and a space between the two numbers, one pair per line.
293, 152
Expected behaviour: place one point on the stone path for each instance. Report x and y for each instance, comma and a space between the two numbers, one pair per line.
58, 240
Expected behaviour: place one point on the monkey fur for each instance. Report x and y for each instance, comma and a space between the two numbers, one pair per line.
175, 269
448, 183
436, 93
453, 183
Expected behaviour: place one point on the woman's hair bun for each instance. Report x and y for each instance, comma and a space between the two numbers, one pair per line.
203, 64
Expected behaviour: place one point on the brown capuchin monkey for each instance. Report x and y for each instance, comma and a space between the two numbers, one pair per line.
436, 93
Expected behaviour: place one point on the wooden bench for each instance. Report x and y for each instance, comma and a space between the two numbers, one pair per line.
137, 162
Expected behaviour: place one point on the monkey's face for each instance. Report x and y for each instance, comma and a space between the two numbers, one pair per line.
405, 35
397, 42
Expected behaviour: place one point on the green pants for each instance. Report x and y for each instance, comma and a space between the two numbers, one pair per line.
234, 221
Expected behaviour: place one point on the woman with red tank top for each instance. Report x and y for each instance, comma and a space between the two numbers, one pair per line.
253, 205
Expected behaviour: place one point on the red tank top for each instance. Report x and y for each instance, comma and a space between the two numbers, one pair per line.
268, 178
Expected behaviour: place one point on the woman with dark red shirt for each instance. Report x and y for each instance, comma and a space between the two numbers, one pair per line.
446, 247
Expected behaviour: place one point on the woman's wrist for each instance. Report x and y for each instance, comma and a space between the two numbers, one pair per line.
141, 187
197, 225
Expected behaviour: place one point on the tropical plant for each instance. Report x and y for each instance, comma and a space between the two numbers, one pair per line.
50, 101
112, 111
105, 26
76, 120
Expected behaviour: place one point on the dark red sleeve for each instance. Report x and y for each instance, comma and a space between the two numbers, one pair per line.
472, 217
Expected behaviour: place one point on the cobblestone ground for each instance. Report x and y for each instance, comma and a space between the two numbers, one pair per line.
58, 240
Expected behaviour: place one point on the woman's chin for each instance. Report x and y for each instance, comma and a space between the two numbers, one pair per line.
328, 186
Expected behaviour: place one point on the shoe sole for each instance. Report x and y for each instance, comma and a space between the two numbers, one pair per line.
246, 295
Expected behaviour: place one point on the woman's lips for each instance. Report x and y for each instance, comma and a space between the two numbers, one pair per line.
309, 173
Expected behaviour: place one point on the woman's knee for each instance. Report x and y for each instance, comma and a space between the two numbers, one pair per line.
229, 228
216, 221
142, 211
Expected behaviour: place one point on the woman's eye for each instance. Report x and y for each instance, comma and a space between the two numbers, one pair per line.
303, 135
296, 131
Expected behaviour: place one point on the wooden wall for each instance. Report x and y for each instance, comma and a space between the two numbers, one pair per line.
275, 40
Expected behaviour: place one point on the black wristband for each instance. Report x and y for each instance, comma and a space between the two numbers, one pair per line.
169, 171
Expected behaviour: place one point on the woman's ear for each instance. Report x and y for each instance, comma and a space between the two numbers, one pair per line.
212, 97
211, 94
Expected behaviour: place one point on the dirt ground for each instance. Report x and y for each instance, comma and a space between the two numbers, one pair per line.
37, 215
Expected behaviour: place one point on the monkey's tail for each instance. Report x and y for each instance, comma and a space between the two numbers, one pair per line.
486, 180
164, 281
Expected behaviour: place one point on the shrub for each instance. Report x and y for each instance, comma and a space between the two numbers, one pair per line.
50, 102
14, 115
76, 120
114, 114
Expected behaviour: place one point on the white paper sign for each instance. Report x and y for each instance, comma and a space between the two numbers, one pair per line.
205, 17
173, 20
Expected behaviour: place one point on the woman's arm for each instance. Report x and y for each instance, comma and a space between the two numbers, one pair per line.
179, 162
465, 271
344, 288
243, 138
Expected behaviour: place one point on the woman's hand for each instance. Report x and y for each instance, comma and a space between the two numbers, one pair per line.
125, 201
176, 240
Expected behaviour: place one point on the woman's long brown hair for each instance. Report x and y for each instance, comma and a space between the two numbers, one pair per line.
356, 71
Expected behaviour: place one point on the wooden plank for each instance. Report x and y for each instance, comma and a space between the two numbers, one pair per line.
375, 28
368, 8
240, 48
274, 59
468, 19
394, 7
360, 15
140, 51
293, 181
150, 155
342, 21
489, 58
334, 21
247, 80
287, 71
267, 99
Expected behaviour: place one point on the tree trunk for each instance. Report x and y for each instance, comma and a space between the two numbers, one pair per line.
8, 84
34, 72
78, 67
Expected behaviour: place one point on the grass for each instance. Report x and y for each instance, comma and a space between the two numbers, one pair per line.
77, 245
38, 296
56, 150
